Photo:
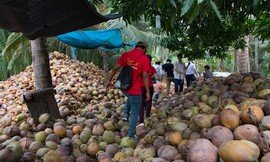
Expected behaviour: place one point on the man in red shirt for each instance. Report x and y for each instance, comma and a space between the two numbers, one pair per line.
140, 64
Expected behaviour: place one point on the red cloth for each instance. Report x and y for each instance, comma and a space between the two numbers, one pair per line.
150, 75
140, 63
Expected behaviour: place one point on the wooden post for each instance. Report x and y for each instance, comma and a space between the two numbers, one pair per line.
40, 63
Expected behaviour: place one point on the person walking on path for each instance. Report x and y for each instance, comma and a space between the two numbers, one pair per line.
158, 68
191, 73
147, 105
207, 73
179, 74
168, 68
140, 64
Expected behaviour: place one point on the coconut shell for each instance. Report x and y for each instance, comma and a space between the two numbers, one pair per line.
229, 118
52, 156
236, 150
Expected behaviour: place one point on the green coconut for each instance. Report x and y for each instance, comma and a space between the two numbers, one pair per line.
51, 145
42, 151
109, 125
202, 121
83, 148
108, 136
128, 142
213, 101
16, 149
264, 94
102, 145
35, 146
85, 135
146, 153
52, 155
43, 118
179, 127
41, 136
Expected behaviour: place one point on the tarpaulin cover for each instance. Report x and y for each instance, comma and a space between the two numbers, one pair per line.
109, 39
46, 18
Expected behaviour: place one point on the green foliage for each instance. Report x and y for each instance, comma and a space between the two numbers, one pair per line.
196, 26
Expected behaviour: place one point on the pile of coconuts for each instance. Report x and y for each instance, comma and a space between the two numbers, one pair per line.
221, 119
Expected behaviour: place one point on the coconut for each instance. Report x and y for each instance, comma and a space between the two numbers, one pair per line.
42, 151
251, 115
77, 129
11, 131
229, 118
202, 121
266, 158
127, 142
264, 94
214, 135
60, 131
167, 152
109, 125
16, 149
199, 149
112, 149
51, 145
85, 135
28, 156
236, 150
98, 130
174, 138
6, 155
246, 132
26, 142
146, 153
119, 156
93, 149
41, 136
53, 137
128, 151
266, 108
83, 158
52, 156
43, 118
108, 137
35, 146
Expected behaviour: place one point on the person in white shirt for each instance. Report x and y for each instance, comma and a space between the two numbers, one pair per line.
158, 68
191, 73
179, 74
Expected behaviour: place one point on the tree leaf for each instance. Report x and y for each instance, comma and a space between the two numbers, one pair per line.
173, 3
194, 14
215, 8
186, 6
200, 1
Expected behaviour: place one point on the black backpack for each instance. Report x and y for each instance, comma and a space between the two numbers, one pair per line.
123, 80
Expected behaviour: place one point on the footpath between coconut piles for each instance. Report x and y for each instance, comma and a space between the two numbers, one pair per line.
224, 119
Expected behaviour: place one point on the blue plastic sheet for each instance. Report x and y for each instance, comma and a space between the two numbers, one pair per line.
109, 39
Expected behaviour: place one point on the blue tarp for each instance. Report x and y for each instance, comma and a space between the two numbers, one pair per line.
109, 39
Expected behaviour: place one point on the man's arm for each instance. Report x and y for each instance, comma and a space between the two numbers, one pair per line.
146, 85
114, 71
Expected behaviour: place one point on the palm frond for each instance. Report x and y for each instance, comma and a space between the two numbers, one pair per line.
12, 43
2, 39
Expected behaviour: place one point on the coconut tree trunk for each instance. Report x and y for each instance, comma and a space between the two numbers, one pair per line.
105, 58
236, 67
244, 63
256, 55
40, 63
